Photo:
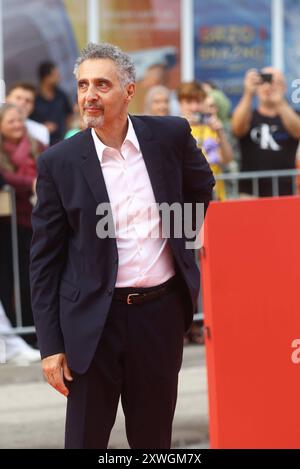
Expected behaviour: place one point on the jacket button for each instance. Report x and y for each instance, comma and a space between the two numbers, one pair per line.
109, 291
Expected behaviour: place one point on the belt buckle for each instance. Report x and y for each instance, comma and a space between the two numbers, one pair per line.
129, 299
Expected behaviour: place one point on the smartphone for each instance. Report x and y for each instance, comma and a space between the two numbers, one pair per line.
201, 118
266, 77
204, 118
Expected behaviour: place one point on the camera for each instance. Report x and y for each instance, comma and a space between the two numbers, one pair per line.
204, 118
201, 118
266, 77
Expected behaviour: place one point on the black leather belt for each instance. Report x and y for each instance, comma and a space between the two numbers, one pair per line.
137, 295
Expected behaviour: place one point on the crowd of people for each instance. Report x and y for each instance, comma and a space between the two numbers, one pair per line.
261, 133
30, 120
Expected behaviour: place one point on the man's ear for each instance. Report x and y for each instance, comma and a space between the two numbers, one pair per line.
130, 92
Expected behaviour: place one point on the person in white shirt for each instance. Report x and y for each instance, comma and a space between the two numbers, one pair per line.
22, 94
13, 349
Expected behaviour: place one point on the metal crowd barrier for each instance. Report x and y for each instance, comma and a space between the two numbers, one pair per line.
232, 181
8, 209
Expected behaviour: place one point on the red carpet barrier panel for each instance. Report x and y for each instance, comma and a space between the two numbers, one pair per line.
251, 289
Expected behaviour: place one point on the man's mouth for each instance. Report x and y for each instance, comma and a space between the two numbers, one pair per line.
93, 109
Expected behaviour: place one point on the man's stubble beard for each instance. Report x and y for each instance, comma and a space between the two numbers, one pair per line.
95, 122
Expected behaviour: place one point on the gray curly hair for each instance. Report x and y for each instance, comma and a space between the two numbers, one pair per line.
123, 61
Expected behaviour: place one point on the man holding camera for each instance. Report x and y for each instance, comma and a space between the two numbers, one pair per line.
269, 134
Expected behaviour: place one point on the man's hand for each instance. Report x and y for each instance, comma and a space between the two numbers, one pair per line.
278, 92
252, 80
55, 368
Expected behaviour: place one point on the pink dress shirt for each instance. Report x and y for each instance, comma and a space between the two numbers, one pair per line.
145, 257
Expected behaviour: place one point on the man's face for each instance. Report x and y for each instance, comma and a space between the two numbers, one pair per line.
102, 99
266, 91
24, 99
160, 105
54, 77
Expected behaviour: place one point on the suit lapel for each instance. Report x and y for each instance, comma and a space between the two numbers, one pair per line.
92, 170
152, 154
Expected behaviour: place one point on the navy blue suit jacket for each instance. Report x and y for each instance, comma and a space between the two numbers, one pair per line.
73, 272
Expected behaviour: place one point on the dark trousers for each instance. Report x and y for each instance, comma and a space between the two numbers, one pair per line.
138, 359
7, 279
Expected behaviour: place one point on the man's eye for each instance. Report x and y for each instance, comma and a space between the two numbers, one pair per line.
102, 85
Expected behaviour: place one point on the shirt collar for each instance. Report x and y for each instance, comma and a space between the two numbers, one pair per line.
130, 137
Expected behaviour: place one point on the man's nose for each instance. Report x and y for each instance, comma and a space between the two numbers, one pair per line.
91, 94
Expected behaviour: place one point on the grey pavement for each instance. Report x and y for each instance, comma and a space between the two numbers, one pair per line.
32, 413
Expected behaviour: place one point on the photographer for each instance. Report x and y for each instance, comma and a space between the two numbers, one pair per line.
268, 135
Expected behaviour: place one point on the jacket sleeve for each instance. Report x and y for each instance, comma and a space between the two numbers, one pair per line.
198, 179
47, 259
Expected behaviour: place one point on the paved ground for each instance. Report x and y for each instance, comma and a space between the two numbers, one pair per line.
32, 413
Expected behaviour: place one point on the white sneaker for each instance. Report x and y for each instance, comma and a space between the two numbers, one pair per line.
25, 357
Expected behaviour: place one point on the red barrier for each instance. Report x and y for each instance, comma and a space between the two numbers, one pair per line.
251, 292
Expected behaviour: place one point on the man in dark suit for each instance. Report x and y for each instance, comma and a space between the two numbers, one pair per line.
111, 311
